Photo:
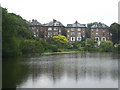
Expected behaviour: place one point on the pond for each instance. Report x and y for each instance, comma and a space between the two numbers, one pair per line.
73, 70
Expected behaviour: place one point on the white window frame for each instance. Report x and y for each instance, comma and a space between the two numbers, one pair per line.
68, 35
49, 33
97, 33
55, 28
72, 38
79, 38
97, 30
49, 28
72, 33
72, 29
103, 38
79, 34
97, 38
59, 30
79, 29
56, 24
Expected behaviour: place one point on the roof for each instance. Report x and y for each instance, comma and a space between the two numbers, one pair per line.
54, 23
99, 25
76, 24
34, 22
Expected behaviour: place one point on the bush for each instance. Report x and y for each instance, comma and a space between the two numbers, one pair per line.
53, 48
106, 46
31, 46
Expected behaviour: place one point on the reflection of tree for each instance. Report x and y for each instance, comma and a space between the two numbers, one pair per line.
13, 72
74, 66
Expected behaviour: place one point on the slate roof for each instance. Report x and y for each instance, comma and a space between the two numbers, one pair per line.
54, 23
99, 25
76, 24
34, 22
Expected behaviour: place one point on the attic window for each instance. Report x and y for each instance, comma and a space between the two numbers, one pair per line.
49, 28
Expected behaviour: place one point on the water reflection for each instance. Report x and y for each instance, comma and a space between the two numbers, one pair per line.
76, 70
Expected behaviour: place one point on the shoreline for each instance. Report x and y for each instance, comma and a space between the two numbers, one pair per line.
64, 52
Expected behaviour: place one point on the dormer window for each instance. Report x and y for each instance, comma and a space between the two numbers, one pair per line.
49, 28
56, 24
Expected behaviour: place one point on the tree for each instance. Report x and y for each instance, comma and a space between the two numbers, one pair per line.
14, 29
106, 46
88, 30
115, 30
60, 40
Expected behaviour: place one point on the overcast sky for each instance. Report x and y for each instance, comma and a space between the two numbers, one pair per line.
65, 11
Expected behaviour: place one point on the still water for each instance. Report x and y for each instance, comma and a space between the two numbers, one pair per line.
74, 70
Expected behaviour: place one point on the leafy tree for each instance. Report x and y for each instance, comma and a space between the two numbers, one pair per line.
91, 42
88, 30
60, 39
106, 46
14, 29
115, 30
31, 46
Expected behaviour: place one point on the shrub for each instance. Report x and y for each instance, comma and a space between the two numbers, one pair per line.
31, 46
106, 46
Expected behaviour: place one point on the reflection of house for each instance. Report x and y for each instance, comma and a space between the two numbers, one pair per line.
100, 32
54, 28
75, 31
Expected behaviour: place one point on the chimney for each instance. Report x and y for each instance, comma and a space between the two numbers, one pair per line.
32, 20
76, 22
54, 20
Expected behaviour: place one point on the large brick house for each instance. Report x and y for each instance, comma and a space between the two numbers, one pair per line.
36, 27
100, 32
75, 31
54, 28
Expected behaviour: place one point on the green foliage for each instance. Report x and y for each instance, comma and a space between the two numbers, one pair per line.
91, 42
74, 44
116, 49
106, 46
14, 28
88, 30
115, 30
60, 39
31, 46
52, 48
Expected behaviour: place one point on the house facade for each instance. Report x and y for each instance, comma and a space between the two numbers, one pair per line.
100, 32
75, 31
36, 27
54, 28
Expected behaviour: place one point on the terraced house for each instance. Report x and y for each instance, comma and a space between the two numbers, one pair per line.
54, 28
73, 32
48, 30
35, 26
100, 32
76, 31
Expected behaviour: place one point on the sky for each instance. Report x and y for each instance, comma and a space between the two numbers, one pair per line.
65, 11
